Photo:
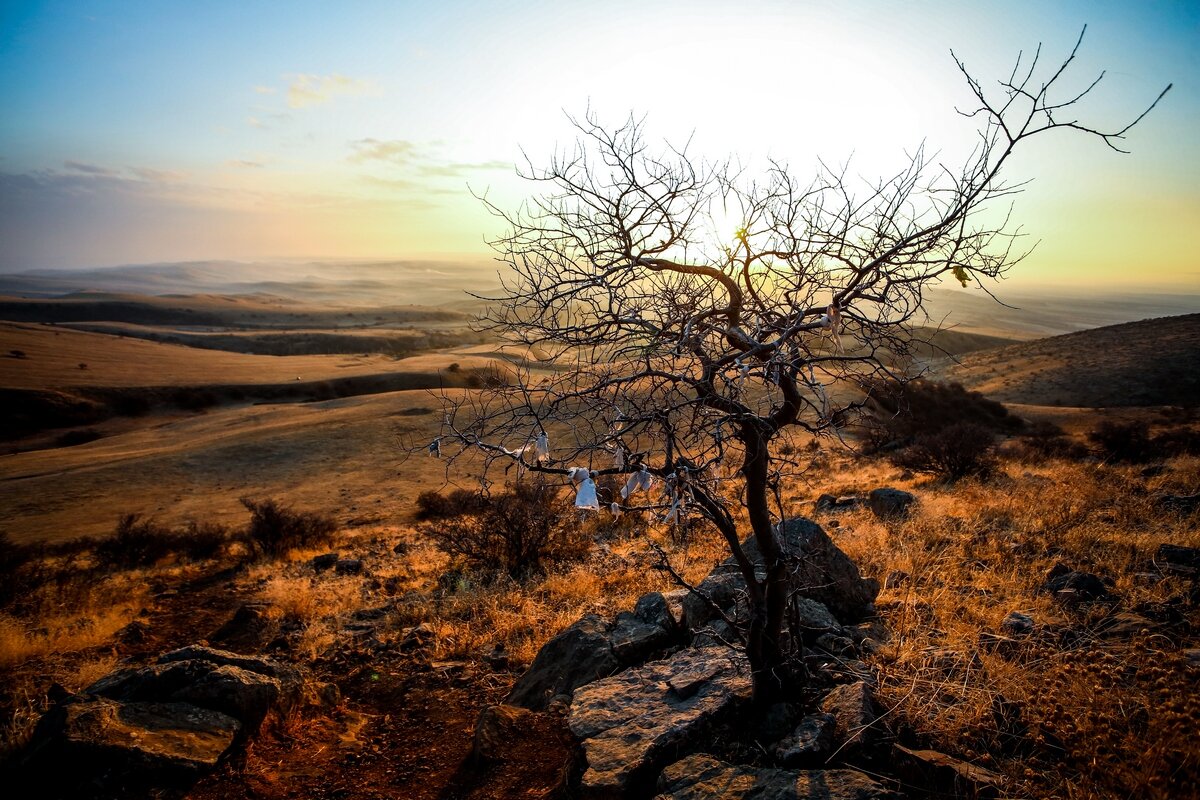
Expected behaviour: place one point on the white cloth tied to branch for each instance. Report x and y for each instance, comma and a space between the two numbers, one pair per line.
435, 448
541, 447
640, 481
586, 496
832, 319
619, 458
578, 474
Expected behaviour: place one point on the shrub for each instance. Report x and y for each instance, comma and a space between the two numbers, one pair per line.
902, 411
520, 532
1122, 441
434, 505
1180, 441
953, 452
203, 540
274, 529
136, 542
1044, 440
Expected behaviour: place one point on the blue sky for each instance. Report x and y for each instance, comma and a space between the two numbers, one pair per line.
161, 131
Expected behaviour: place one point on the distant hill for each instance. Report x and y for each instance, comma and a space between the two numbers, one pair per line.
1147, 363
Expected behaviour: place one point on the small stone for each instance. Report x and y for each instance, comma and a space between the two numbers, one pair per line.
944, 774
1017, 624
348, 566
498, 726
417, 637
808, 743
895, 578
323, 562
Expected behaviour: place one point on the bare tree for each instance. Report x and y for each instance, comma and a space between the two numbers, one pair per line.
674, 349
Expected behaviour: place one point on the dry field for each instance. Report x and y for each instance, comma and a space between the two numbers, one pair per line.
1075, 710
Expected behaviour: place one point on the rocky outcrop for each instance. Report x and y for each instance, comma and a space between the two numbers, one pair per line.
702, 777
175, 718
853, 711
156, 740
593, 648
632, 723
809, 742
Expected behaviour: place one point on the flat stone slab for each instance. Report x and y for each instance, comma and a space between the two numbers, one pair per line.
702, 777
156, 736
632, 722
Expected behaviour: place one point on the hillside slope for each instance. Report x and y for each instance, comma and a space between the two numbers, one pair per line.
1148, 363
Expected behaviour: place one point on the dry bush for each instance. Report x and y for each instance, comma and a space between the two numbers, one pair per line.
435, 505
1122, 441
952, 453
275, 529
136, 542
902, 411
520, 532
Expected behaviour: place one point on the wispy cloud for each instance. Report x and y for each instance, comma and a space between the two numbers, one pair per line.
265, 89
418, 158
394, 151
244, 163
313, 90
158, 175
89, 169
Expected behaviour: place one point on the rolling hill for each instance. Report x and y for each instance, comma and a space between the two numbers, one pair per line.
1153, 362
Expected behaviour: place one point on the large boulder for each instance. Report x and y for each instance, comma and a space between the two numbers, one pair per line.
853, 712
632, 723
580, 654
246, 688
154, 740
702, 777
593, 648
818, 569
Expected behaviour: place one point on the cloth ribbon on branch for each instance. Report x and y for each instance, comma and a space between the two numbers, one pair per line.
585, 498
832, 319
541, 447
615, 508
578, 474
640, 481
435, 448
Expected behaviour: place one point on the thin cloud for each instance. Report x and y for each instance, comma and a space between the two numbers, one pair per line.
462, 170
264, 89
243, 163
158, 175
314, 90
394, 151
90, 169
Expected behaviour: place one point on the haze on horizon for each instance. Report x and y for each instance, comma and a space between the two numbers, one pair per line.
178, 132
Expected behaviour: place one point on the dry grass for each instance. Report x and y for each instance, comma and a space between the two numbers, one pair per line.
1067, 713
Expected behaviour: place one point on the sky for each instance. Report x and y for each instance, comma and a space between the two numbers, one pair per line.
177, 131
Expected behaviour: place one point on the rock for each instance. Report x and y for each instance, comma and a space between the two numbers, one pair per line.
828, 503
246, 688
133, 633
808, 744
1017, 624
496, 657
887, 503
813, 617
841, 646
348, 566
943, 774
702, 777
777, 722
818, 570
250, 628
496, 727
1180, 504
1125, 625
853, 712
323, 562
653, 625
580, 654
1177, 559
1076, 587
895, 578
629, 724
724, 586
417, 637
87, 738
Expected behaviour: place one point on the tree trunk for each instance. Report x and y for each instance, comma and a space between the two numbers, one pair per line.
768, 605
